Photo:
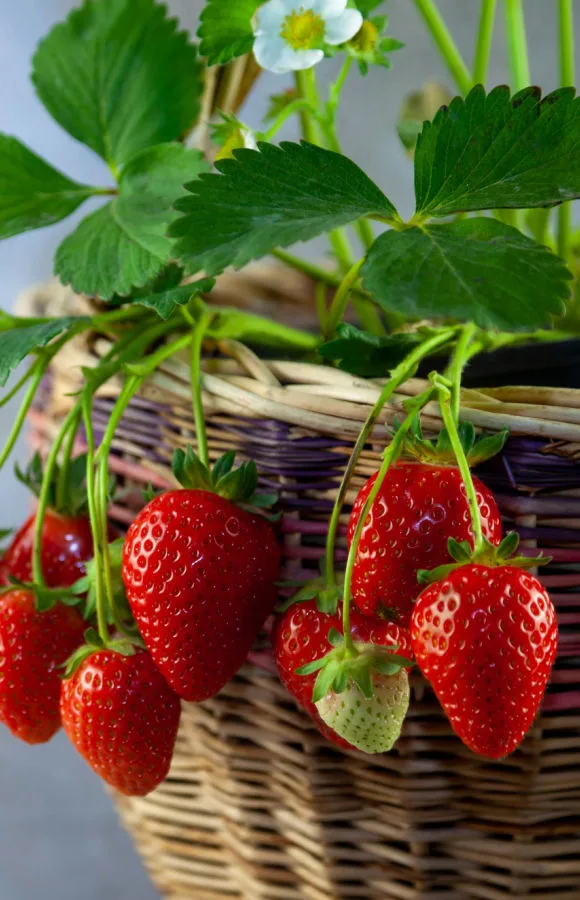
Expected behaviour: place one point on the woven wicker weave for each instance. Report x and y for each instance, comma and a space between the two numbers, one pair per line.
258, 806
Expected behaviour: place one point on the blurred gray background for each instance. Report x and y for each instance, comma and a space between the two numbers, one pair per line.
59, 838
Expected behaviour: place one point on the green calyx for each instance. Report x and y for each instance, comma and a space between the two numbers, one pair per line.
93, 644
326, 594
463, 555
70, 502
340, 667
238, 485
440, 451
87, 586
46, 598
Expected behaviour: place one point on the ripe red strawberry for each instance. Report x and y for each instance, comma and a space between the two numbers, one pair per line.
301, 636
66, 534
200, 575
486, 638
418, 508
66, 545
33, 645
123, 718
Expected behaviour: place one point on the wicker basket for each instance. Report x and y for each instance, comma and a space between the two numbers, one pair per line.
258, 806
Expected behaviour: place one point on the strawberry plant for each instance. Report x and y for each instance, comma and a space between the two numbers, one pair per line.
173, 610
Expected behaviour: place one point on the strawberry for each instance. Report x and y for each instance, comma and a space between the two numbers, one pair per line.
486, 638
372, 723
66, 545
200, 575
123, 718
418, 508
66, 534
301, 636
33, 645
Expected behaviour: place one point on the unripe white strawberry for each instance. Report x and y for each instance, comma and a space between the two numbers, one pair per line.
373, 724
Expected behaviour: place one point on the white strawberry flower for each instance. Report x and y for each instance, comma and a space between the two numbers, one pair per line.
291, 35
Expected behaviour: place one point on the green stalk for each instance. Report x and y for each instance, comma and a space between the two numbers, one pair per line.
19, 384
399, 375
567, 79
296, 106
464, 350
451, 426
340, 299
94, 518
391, 455
517, 44
484, 40
447, 46
69, 422
23, 411
198, 414
63, 482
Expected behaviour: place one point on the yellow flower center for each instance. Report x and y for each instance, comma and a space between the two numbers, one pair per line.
303, 29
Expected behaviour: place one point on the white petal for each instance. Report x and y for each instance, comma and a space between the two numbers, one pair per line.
273, 53
306, 59
270, 17
326, 8
344, 27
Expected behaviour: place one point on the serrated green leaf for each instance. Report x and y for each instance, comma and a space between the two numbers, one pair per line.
365, 354
33, 193
477, 270
498, 152
119, 77
128, 236
166, 302
19, 342
225, 30
268, 198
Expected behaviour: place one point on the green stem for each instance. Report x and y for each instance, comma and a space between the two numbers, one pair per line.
102, 493
69, 422
23, 411
19, 384
463, 465
198, 414
391, 455
365, 232
484, 40
398, 376
306, 90
94, 517
334, 98
311, 269
63, 482
285, 114
462, 353
517, 44
567, 79
447, 46
342, 249
340, 300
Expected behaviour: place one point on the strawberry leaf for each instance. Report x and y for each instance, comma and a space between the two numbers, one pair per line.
33, 193
365, 354
269, 198
497, 152
166, 302
325, 679
476, 270
129, 235
225, 30
119, 77
19, 342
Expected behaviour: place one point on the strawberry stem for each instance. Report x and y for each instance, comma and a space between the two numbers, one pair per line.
392, 453
462, 463
196, 380
63, 479
466, 348
399, 375
87, 403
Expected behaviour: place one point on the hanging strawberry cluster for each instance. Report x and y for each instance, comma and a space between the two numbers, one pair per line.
107, 634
